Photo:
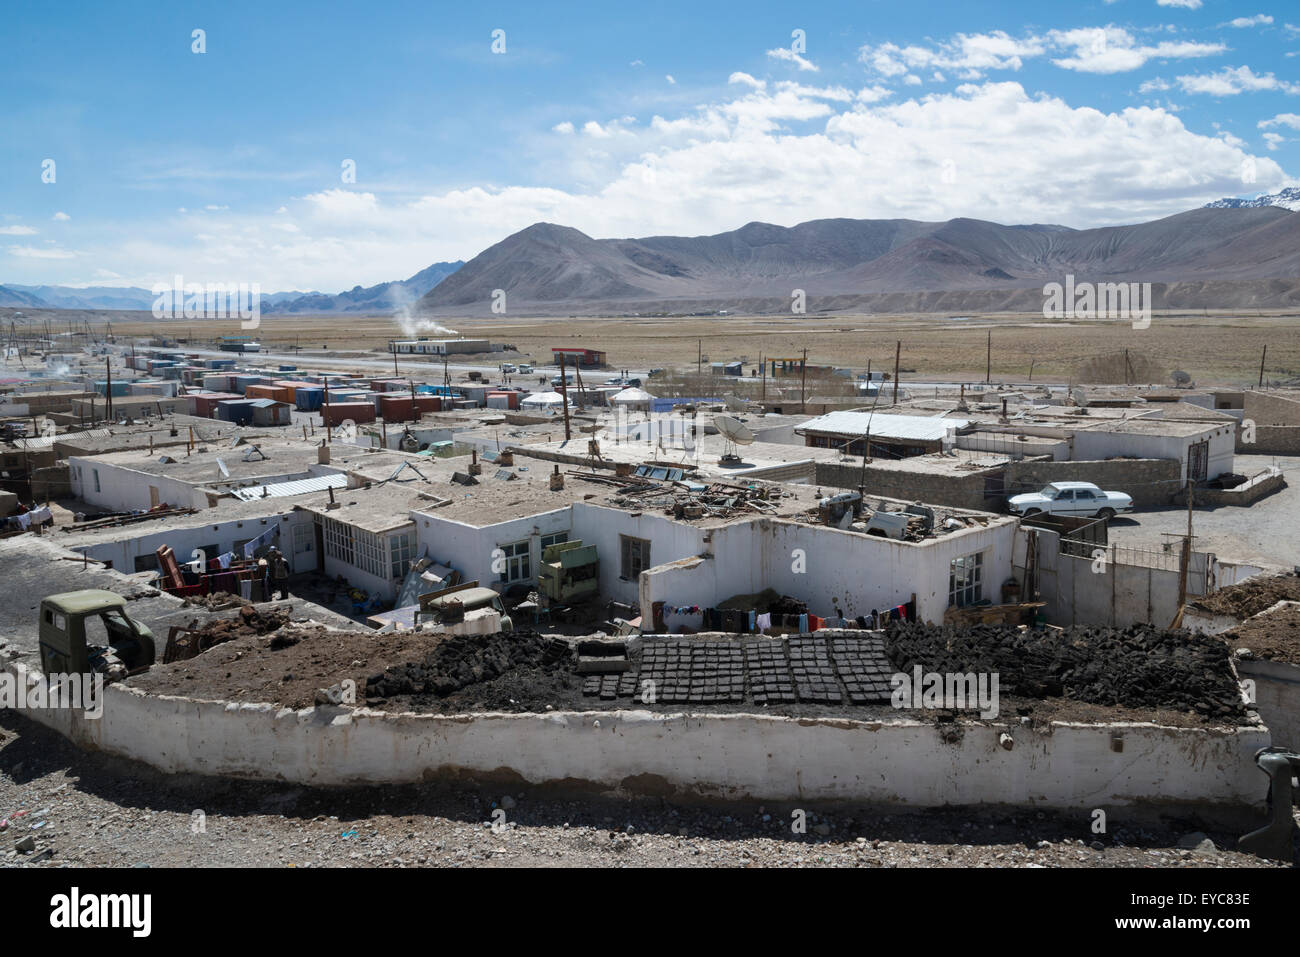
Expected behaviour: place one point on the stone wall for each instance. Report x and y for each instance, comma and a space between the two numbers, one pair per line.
1149, 481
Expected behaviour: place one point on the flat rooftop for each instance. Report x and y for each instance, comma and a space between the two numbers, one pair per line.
1151, 426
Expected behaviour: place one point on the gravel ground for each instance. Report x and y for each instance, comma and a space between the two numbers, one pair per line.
91, 811
1266, 533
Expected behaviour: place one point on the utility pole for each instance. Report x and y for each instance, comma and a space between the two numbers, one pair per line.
564, 393
803, 382
1031, 370
898, 351
762, 360
1261, 365
988, 358
108, 387
699, 359
1185, 561
329, 431
394, 347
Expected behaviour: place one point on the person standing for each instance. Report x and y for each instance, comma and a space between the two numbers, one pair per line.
279, 572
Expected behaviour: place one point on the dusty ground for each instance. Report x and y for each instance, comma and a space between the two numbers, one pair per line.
91, 812
1265, 534
1218, 347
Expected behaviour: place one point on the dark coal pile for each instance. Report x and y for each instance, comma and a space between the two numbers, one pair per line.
1136, 667
508, 671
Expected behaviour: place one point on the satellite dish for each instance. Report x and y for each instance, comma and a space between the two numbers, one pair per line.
222, 466
1080, 398
735, 404
734, 433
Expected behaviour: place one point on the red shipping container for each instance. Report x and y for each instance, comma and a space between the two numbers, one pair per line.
336, 413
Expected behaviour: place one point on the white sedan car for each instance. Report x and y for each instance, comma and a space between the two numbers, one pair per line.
1080, 499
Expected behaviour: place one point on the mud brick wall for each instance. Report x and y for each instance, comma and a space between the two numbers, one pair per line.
959, 490
1271, 440
1269, 409
1149, 481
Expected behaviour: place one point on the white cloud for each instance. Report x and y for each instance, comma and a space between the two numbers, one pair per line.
1114, 50
1273, 139
1231, 81
1282, 119
213, 208
1155, 85
35, 252
593, 129
669, 78
728, 161
784, 53
636, 63
964, 52
17, 231
60, 217
747, 80
1185, 4
873, 94
566, 128
1258, 20
1108, 49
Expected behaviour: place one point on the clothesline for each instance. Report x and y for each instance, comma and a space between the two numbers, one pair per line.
737, 620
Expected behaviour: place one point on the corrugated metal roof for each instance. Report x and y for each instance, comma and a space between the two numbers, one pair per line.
317, 483
45, 441
921, 427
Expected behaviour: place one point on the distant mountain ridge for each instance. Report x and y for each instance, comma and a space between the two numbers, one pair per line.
1236, 254
1288, 198
384, 297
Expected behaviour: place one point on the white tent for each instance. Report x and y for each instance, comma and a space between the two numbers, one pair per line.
544, 402
631, 399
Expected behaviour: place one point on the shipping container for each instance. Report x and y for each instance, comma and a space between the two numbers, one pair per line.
267, 391
336, 413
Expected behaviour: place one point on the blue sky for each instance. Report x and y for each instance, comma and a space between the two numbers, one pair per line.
620, 120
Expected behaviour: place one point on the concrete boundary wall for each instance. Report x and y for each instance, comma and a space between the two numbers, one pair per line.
735, 756
1277, 696
1247, 493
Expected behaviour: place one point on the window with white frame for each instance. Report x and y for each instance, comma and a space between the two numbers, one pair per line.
338, 540
555, 538
401, 548
304, 539
635, 556
518, 567
966, 580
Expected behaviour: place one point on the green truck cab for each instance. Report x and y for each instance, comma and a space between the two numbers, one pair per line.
449, 607
89, 631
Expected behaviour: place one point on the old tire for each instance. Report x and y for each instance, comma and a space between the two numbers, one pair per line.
1106, 513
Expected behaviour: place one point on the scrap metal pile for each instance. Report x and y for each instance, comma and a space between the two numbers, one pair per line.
683, 500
